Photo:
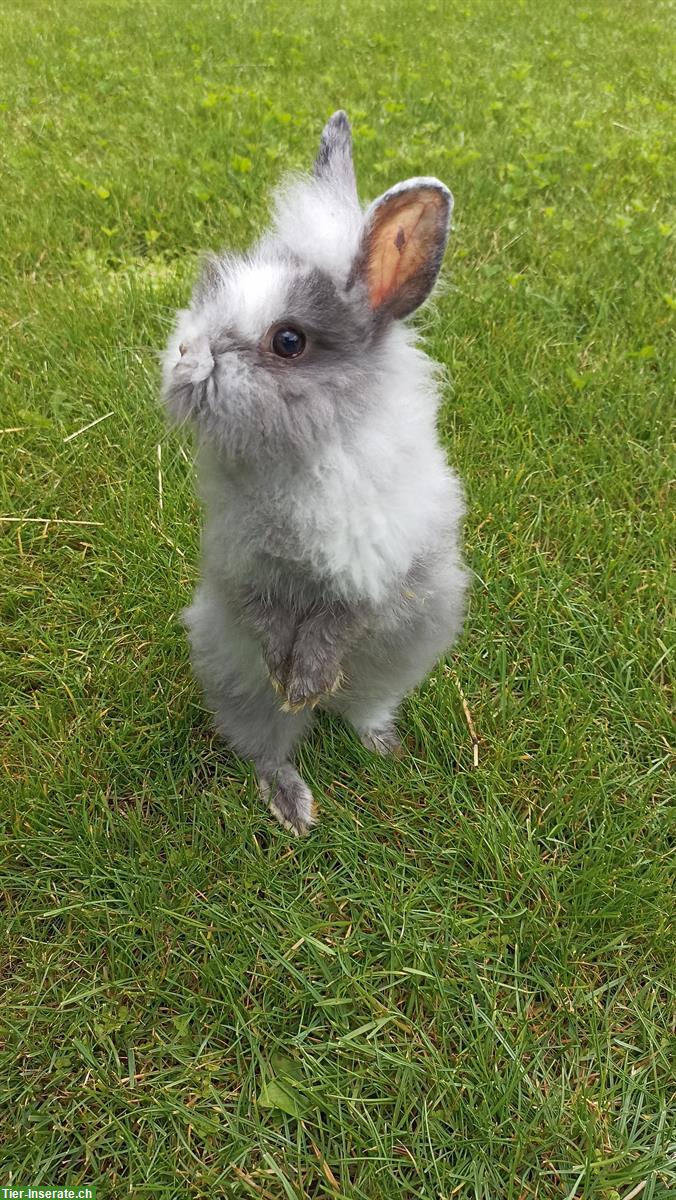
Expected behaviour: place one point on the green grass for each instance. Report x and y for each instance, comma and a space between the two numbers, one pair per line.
471, 969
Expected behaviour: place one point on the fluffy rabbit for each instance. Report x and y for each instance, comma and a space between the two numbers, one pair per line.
331, 573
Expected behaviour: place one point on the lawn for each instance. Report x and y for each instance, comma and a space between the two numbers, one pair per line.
461, 984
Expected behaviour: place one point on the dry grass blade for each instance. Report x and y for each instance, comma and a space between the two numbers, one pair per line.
91, 425
468, 716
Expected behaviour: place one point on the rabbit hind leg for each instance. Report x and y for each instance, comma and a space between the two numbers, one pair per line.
378, 677
254, 725
373, 719
247, 710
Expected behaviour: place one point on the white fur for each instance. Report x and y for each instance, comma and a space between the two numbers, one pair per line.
252, 292
257, 291
357, 516
319, 224
319, 487
316, 224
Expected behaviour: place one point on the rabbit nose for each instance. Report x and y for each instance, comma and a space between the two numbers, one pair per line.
195, 358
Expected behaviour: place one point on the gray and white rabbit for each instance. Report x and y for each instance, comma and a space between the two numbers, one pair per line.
331, 572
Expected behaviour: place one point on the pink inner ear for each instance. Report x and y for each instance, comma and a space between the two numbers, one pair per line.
403, 241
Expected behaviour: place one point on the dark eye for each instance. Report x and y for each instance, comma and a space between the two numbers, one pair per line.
289, 343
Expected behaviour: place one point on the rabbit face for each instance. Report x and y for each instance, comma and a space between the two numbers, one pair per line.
285, 349
271, 360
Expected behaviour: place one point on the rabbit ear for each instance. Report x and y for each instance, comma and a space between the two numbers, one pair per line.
334, 157
404, 239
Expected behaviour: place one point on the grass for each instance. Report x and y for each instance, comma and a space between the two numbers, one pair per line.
461, 985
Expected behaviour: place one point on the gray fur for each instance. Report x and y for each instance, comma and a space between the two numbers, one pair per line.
384, 740
328, 576
334, 157
290, 799
333, 322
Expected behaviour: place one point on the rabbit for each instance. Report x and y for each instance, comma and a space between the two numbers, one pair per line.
331, 570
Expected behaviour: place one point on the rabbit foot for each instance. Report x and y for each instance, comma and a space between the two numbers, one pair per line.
307, 691
290, 800
384, 741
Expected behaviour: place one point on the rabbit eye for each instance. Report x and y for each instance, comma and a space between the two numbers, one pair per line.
289, 342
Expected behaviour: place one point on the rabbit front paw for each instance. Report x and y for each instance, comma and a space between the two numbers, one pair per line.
278, 671
277, 658
310, 682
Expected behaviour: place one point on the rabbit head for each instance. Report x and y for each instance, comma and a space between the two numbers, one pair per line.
284, 348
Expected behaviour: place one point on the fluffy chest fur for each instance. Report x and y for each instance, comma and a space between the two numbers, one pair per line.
350, 524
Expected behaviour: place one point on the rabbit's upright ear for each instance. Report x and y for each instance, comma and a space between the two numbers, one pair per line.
405, 235
333, 163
